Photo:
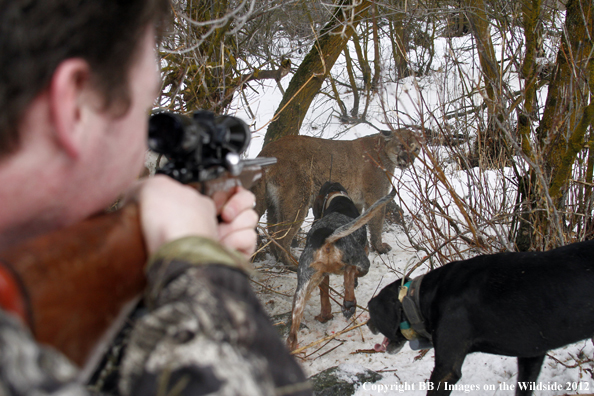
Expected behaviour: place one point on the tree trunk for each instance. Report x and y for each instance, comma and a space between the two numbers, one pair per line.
491, 149
376, 51
568, 113
353, 82
400, 42
531, 19
314, 69
528, 192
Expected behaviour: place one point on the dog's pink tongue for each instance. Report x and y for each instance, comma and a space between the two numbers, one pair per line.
382, 347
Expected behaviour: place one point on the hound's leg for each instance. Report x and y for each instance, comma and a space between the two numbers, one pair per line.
300, 298
349, 305
326, 310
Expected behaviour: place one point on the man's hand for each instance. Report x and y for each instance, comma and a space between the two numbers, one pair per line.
237, 229
170, 210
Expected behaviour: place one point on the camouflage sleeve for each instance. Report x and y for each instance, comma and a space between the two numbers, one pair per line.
27, 368
205, 333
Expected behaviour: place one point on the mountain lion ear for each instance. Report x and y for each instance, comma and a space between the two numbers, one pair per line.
387, 134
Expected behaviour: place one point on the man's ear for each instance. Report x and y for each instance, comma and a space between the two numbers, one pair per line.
68, 95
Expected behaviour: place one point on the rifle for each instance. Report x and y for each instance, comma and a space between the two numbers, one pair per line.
77, 280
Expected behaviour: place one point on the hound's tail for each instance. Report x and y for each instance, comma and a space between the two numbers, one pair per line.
360, 221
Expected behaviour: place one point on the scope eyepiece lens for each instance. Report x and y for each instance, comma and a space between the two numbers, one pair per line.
165, 133
173, 134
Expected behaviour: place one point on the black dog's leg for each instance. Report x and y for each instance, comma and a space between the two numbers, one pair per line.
528, 370
451, 347
446, 373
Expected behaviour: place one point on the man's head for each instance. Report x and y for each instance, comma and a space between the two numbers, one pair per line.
77, 81
36, 36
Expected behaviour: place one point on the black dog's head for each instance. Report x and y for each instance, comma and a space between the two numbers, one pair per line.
327, 188
385, 315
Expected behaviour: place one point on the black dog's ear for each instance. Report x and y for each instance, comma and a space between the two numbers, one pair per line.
385, 311
372, 327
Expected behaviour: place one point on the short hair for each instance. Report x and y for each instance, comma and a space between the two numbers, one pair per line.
37, 35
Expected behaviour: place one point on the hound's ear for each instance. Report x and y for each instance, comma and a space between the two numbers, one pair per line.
317, 207
68, 96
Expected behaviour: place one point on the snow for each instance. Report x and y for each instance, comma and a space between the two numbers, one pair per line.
406, 372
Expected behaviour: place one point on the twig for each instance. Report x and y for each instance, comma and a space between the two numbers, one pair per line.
263, 229
298, 350
578, 363
340, 295
269, 289
317, 350
365, 351
432, 254
331, 349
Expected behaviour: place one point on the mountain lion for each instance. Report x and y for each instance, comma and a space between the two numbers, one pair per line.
287, 189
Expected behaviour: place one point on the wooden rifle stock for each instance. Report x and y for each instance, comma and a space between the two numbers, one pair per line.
78, 279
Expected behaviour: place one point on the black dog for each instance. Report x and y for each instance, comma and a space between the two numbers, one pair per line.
513, 304
336, 244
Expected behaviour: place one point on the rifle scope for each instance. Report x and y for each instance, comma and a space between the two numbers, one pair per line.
198, 144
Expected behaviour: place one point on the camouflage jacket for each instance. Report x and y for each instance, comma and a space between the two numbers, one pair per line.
201, 331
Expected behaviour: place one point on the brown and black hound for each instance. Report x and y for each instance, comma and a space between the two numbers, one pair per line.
336, 244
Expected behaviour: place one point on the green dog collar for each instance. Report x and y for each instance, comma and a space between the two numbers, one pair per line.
404, 325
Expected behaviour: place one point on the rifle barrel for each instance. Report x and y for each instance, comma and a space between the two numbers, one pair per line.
260, 161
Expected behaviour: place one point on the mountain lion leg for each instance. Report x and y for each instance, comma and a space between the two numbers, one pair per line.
375, 230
